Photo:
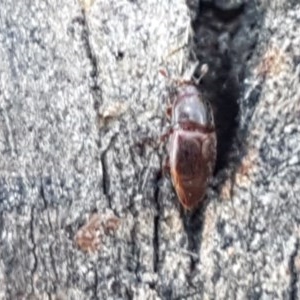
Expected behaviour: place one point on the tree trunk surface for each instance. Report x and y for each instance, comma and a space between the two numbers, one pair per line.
86, 211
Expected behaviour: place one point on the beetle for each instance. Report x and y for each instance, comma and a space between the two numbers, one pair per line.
192, 144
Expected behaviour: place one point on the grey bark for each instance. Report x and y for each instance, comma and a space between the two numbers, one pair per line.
81, 97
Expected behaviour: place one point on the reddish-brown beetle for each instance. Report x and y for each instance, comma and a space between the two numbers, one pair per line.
192, 144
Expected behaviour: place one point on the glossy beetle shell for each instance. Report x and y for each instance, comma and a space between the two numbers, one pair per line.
192, 145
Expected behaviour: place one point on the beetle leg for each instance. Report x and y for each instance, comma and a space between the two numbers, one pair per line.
166, 166
169, 111
164, 136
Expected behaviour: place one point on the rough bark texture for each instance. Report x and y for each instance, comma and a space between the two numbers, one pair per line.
80, 99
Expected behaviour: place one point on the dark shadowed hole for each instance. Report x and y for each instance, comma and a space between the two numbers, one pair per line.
221, 87
120, 55
220, 42
193, 225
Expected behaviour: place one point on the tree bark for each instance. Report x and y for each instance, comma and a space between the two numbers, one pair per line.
85, 210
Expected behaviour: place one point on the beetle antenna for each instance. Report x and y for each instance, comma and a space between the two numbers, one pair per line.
166, 74
188, 74
176, 50
203, 71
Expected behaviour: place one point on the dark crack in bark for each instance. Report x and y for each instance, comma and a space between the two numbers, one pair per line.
133, 263
193, 225
94, 75
105, 174
95, 289
293, 290
1, 225
218, 44
129, 294
156, 223
105, 178
53, 264
9, 136
250, 226
42, 194
32, 238
44, 199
